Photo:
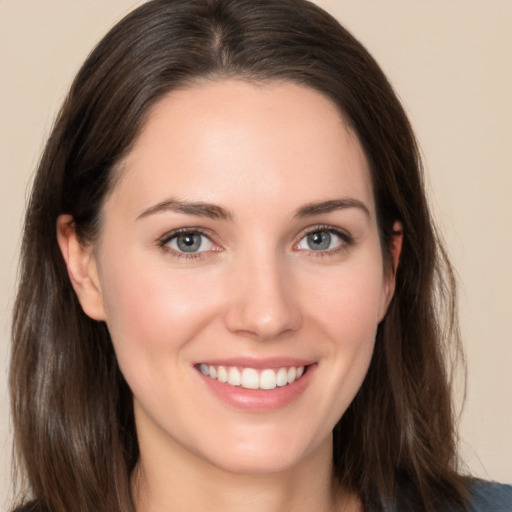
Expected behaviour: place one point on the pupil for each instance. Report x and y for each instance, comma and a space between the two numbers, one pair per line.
320, 240
189, 243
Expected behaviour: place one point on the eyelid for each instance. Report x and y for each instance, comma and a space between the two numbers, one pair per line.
181, 231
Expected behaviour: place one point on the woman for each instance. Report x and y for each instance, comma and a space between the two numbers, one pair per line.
230, 282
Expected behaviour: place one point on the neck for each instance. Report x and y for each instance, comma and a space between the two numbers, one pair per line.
183, 481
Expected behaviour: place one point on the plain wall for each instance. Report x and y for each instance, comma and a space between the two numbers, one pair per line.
451, 65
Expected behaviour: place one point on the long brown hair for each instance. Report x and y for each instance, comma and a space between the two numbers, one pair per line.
75, 437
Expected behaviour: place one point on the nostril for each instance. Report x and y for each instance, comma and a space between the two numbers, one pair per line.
265, 322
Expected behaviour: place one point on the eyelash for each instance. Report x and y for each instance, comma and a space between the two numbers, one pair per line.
347, 241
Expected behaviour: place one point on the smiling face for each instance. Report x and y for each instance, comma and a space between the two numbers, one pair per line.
240, 273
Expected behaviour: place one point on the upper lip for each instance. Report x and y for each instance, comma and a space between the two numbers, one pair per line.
258, 363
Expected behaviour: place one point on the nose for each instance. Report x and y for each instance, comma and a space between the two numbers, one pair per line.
263, 303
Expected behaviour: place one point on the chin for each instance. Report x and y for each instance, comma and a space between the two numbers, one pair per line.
258, 464
267, 456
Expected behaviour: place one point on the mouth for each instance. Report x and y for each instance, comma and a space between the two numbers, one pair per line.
251, 378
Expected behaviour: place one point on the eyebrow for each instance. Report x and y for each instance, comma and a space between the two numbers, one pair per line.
213, 211
330, 206
199, 209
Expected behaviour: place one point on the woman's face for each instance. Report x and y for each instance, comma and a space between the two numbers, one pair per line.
241, 244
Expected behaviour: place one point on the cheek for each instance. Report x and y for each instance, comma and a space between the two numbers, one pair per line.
347, 309
350, 302
151, 311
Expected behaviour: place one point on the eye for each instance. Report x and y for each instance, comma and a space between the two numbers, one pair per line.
188, 242
322, 240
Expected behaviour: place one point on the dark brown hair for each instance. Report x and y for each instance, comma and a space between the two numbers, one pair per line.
74, 430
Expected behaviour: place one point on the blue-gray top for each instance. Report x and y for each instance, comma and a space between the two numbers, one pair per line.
490, 497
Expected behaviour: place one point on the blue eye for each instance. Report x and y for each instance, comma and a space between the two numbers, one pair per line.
189, 242
321, 240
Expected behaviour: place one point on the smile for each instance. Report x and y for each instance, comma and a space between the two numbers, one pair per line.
250, 378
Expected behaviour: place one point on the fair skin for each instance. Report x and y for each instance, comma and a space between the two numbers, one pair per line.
277, 273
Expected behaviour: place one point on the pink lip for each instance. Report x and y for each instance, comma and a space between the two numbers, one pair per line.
257, 400
258, 363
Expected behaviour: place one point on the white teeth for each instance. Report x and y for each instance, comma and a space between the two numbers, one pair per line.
249, 378
234, 377
213, 371
268, 379
222, 374
282, 377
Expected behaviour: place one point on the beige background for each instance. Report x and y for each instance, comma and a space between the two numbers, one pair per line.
451, 64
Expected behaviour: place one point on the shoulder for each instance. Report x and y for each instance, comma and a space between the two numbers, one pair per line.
489, 496
482, 496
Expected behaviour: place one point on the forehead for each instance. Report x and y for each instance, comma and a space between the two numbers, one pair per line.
221, 141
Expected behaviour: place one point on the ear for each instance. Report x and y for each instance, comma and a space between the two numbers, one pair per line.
395, 249
82, 268
395, 246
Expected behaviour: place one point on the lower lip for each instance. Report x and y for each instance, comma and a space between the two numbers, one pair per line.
259, 400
